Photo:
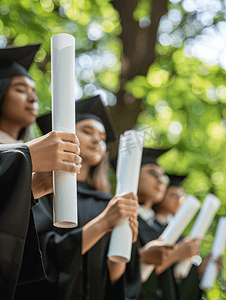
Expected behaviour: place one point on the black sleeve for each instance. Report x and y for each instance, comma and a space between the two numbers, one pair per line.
61, 248
189, 287
133, 277
15, 204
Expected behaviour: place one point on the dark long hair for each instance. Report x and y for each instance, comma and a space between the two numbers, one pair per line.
4, 84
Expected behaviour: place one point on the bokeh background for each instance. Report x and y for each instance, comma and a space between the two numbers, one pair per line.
159, 65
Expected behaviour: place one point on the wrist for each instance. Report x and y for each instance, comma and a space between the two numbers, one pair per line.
103, 223
142, 255
36, 186
176, 256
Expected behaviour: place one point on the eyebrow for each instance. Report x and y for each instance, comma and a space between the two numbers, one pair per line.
90, 127
23, 83
159, 173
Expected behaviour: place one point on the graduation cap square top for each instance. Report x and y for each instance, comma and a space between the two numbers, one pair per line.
15, 61
175, 180
150, 155
90, 108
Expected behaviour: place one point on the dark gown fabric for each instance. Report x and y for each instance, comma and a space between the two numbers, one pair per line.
20, 259
165, 286
71, 274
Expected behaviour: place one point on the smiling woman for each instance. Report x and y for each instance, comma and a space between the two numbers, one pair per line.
19, 106
18, 100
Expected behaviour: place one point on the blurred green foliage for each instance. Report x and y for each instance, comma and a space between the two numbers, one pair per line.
184, 105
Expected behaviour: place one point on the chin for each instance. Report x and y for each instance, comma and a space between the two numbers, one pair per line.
95, 160
158, 200
29, 122
159, 197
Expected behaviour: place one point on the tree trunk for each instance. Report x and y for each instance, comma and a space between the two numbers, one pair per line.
139, 54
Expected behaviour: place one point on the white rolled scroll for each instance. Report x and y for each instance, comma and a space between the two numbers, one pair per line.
202, 223
175, 228
218, 247
63, 119
127, 175
181, 219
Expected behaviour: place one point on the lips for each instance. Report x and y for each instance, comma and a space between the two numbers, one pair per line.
94, 149
32, 111
33, 108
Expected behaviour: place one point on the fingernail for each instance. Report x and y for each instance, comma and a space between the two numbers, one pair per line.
79, 166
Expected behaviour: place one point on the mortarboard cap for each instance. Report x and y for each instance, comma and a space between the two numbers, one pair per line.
90, 108
150, 155
176, 180
15, 61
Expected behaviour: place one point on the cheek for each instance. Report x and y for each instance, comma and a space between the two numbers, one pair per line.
83, 139
146, 185
178, 206
83, 148
13, 102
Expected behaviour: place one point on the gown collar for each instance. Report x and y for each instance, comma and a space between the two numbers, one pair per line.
86, 189
146, 214
163, 220
5, 138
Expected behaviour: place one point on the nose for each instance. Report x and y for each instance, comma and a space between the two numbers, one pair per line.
182, 200
161, 179
32, 97
96, 138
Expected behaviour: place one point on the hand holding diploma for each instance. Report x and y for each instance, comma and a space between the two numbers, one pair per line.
155, 253
217, 250
55, 151
120, 207
185, 249
202, 223
175, 228
117, 209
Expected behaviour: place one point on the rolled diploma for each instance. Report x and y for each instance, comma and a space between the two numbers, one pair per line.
218, 247
175, 228
63, 119
202, 223
127, 175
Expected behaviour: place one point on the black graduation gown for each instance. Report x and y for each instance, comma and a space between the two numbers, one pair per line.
20, 259
166, 287
73, 275
153, 288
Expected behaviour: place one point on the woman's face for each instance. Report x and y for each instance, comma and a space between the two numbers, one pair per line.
173, 200
92, 137
20, 102
151, 183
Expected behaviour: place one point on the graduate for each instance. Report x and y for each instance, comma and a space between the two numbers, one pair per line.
151, 190
18, 99
172, 201
20, 259
185, 248
76, 259
188, 288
